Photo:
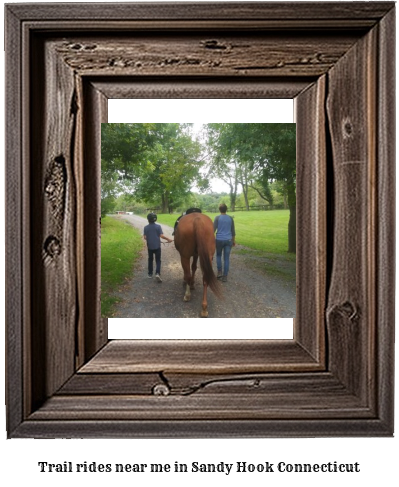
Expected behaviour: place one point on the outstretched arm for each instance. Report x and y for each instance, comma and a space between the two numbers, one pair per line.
166, 238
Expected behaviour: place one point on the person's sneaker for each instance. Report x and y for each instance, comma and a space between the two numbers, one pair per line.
158, 277
224, 279
149, 276
220, 275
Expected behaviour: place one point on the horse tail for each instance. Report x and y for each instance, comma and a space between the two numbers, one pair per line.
205, 261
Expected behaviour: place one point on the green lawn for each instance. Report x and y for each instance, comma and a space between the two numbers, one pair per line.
120, 246
266, 231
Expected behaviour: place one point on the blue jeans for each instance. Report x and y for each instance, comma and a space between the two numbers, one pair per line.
151, 253
223, 246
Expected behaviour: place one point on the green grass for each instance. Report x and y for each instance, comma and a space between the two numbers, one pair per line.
120, 247
265, 231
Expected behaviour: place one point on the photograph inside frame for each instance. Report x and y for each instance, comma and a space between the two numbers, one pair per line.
199, 220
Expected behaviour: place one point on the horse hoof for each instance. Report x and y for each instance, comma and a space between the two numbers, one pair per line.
204, 314
186, 298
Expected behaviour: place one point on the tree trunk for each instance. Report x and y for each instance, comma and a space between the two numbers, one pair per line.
243, 172
244, 186
233, 194
285, 201
233, 197
245, 191
165, 203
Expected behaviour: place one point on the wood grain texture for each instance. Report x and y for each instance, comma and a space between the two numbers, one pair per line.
319, 384
203, 407
14, 259
185, 384
200, 356
268, 396
246, 55
191, 428
311, 219
385, 245
136, 87
53, 211
112, 384
310, 99
208, 11
351, 307
95, 330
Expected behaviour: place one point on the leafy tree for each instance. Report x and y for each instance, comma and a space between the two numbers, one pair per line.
256, 155
124, 149
279, 193
157, 163
274, 149
172, 168
232, 158
107, 206
210, 201
222, 162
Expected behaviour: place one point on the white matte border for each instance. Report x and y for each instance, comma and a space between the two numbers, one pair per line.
201, 111
202, 329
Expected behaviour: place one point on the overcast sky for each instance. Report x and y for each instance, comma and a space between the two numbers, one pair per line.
201, 111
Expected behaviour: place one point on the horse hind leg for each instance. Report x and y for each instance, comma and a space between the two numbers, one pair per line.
187, 294
187, 278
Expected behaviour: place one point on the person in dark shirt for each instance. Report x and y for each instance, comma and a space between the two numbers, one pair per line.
152, 235
223, 225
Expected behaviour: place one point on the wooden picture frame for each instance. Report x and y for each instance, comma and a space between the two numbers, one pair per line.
335, 378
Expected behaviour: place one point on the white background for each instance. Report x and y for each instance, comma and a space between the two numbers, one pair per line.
200, 112
378, 457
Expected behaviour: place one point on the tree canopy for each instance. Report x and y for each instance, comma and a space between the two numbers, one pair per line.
253, 156
159, 164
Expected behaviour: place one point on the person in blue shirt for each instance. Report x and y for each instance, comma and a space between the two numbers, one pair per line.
223, 225
152, 235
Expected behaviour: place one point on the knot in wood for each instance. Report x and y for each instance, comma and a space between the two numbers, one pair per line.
52, 246
90, 47
346, 310
161, 390
213, 44
347, 128
54, 186
50, 189
349, 310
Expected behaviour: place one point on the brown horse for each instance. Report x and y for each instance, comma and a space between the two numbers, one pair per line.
194, 237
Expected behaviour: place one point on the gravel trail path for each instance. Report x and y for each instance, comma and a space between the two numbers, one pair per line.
249, 293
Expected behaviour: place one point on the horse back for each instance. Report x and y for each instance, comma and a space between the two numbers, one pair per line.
185, 236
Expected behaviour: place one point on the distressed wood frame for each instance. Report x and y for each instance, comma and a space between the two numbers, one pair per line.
64, 378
